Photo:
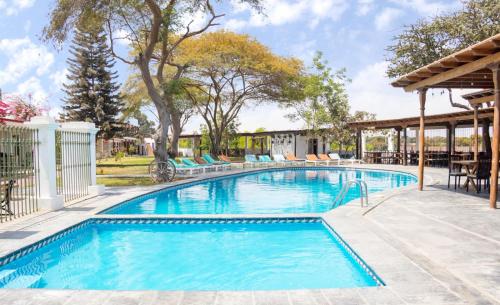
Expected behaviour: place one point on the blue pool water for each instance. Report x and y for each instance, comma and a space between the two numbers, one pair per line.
274, 191
193, 256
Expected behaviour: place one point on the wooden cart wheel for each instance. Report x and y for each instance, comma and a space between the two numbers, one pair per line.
162, 171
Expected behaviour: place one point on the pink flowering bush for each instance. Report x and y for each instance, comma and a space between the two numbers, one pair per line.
17, 108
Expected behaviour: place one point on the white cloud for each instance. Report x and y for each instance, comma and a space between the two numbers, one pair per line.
279, 12
23, 56
33, 88
122, 37
235, 24
427, 7
386, 17
364, 7
13, 7
371, 91
59, 77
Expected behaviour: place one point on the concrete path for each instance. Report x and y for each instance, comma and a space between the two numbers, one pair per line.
432, 247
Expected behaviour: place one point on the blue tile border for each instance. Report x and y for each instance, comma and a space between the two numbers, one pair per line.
187, 221
181, 185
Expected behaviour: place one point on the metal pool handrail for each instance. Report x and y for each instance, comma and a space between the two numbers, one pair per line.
363, 190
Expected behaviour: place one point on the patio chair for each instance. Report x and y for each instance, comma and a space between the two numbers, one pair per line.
328, 160
455, 170
311, 158
203, 162
482, 175
292, 157
226, 159
5, 203
209, 160
280, 159
267, 159
252, 160
336, 156
182, 168
191, 164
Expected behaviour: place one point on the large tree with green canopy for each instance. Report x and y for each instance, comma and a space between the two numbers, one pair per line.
153, 27
227, 71
428, 40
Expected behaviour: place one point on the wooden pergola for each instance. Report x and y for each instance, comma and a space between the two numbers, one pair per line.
475, 67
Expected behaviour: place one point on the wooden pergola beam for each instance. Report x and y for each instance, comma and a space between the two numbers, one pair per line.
454, 73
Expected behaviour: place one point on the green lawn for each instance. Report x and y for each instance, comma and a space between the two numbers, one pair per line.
125, 166
125, 181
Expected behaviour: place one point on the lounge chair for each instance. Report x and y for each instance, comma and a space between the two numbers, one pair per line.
226, 159
351, 160
209, 160
203, 162
191, 164
292, 157
253, 161
182, 168
280, 159
267, 159
335, 157
328, 160
311, 158
5, 203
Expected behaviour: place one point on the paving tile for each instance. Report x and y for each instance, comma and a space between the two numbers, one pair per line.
167, 298
343, 297
198, 298
271, 298
307, 297
380, 296
234, 298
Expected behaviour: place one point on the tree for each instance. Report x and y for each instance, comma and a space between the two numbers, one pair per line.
227, 71
92, 94
429, 40
323, 103
149, 27
137, 98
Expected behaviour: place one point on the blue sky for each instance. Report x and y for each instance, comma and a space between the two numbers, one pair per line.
351, 34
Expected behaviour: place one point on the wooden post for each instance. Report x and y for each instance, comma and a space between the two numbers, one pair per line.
421, 143
453, 126
476, 136
405, 145
496, 135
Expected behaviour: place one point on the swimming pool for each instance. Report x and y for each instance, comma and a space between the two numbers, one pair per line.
189, 254
298, 190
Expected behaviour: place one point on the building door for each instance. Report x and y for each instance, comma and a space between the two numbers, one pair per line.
312, 146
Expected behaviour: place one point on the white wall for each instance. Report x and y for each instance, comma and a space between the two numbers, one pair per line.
300, 150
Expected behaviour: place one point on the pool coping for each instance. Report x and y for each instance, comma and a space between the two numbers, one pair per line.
185, 297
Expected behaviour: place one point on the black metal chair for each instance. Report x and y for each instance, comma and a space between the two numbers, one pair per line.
5, 203
455, 170
482, 175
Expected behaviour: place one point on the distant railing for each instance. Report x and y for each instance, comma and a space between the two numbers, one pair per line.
73, 164
19, 172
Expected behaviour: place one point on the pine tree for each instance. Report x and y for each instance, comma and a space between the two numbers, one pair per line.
92, 93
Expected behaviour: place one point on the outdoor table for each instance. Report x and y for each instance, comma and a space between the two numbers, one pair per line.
470, 170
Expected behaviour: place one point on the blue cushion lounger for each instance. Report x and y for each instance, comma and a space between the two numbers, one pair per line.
224, 165
191, 164
183, 168
266, 159
252, 160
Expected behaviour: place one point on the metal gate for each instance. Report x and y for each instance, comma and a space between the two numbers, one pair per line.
73, 164
19, 172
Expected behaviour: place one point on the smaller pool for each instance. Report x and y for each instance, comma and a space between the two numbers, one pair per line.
189, 254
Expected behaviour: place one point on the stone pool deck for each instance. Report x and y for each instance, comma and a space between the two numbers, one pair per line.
432, 247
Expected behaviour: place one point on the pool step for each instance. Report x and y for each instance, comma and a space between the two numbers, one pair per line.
23, 281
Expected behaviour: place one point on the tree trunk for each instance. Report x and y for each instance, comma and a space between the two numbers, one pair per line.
161, 137
176, 132
486, 137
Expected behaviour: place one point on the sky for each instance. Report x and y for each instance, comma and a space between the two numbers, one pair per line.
352, 34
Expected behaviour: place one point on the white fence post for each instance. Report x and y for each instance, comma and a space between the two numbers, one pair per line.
94, 188
49, 199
